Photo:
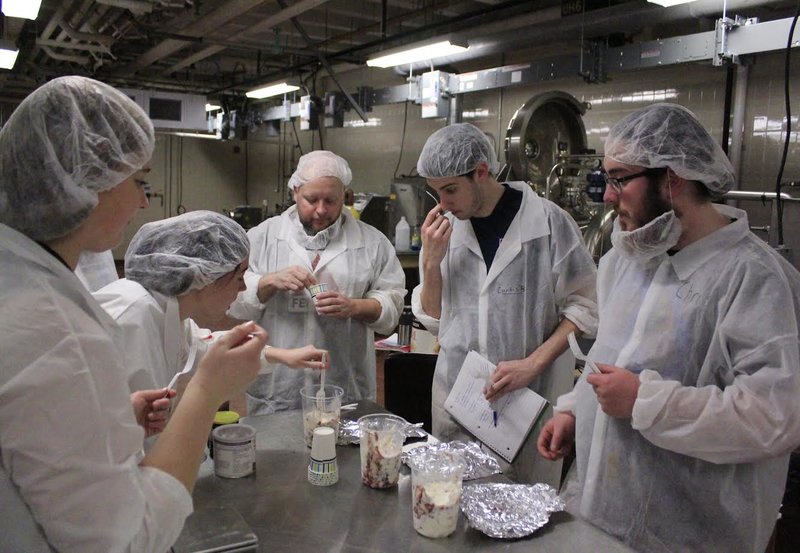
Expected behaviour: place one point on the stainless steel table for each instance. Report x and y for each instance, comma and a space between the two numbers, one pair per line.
290, 515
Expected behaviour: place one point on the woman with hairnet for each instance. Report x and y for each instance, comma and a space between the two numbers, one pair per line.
505, 274
316, 241
178, 269
72, 160
683, 440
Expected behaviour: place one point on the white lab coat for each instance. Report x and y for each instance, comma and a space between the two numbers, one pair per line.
541, 273
359, 262
712, 332
96, 269
155, 341
68, 436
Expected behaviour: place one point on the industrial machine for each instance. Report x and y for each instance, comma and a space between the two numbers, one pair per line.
546, 146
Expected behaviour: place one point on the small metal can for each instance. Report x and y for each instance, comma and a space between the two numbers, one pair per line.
234, 450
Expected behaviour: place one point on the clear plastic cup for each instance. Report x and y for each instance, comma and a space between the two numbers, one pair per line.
436, 493
321, 409
382, 437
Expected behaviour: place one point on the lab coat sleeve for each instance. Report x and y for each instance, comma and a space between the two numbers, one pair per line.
431, 324
70, 442
566, 403
388, 286
754, 417
574, 273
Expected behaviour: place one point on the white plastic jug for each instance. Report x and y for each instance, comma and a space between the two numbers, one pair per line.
402, 236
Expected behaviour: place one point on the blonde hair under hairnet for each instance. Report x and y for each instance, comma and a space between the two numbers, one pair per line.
669, 135
318, 164
455, 150
185, 252
68, 140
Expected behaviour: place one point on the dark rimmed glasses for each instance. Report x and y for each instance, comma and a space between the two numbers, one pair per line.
618, 183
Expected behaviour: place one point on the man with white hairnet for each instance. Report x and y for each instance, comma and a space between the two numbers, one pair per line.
177, 269
72, 159
683, 439
505, 274
317, 242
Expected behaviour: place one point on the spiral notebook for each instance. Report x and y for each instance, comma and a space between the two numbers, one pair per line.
517, 412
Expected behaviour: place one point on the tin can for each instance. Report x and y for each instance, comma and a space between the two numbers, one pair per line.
234, 450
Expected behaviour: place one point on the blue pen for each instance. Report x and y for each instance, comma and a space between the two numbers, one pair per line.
494, 417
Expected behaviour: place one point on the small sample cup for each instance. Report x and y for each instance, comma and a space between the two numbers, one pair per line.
234, 450
320, 410
322, 468
436, 493
382, 437
315, 289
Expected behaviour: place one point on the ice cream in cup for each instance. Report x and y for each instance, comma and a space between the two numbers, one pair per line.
317, 288
436, 493
382, 437
320, 409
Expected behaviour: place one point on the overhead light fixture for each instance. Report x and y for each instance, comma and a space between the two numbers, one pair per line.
212, 107
25, 9
271, 90
8, 54
420, 53
669, 3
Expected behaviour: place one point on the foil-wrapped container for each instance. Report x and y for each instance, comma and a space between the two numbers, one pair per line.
509, 510
350, 433
479, 463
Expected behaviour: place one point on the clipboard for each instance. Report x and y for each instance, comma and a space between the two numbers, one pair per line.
517, 412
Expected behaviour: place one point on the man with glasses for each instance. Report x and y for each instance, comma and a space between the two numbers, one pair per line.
505, 274
683, 439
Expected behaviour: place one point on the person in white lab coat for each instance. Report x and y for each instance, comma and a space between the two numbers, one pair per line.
96, 269
190, 265
505, 274
316, 241
71, 158
683, 440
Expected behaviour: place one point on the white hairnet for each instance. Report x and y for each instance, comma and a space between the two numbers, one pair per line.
68, 140
185, 252
455, 150
668, 135
317, 164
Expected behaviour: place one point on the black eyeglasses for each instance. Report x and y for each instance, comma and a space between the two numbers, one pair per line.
617, 183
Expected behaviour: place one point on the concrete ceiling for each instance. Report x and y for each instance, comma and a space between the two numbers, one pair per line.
220, 46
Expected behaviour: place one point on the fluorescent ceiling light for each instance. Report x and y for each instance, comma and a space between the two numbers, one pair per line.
212, 107
669, 3
8, 54
429, 52
193, 135
25, 9
271, 90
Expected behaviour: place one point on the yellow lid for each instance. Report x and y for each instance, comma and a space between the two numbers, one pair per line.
226, 417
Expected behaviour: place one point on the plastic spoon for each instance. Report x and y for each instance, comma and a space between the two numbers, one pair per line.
576, 351
321, 391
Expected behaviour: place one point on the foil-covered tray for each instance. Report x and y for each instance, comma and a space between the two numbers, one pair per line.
509, 510
479, 463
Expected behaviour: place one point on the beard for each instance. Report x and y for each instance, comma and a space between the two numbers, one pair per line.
653, 206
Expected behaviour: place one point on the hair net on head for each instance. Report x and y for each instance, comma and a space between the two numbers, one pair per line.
668, 135
317, 164
455, 150
186, 252
68, 140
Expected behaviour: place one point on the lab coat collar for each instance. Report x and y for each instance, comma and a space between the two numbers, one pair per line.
22, 246
528, 224
695, 255
349, 237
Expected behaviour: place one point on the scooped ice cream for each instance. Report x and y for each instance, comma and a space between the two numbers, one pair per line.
435, 508
380, 459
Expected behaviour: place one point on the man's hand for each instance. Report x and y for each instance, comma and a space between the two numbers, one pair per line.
435, 234
335, 305
616, 390
557, 436
291, 279
151, 409
512, 375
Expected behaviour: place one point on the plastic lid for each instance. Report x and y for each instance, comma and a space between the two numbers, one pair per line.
226, 417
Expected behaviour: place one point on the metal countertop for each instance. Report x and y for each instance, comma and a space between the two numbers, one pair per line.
290, 515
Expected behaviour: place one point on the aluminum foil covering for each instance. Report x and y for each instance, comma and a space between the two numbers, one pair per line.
350, 433
509, 510
479, 463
